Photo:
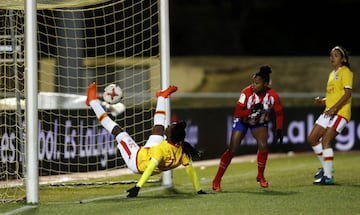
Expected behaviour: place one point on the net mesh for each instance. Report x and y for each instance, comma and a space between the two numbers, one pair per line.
107, 42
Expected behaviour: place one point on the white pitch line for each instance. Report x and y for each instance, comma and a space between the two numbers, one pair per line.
19, 210
120, 195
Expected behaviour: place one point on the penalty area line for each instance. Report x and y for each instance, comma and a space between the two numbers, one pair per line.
18, 210
120, 195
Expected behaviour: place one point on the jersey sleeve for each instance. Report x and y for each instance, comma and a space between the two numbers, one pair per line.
190, 170
241, 110
347, 79
147, 173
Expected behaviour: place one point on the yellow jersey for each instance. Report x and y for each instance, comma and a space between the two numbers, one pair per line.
338, 81
168, 155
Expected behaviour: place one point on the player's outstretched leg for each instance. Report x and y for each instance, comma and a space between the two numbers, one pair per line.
101, 115
160, 111
159, 117
126, 145
167, 92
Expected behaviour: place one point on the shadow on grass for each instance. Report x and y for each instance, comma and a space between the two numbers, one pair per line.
173, 193
345, 184
150, 193
266, 192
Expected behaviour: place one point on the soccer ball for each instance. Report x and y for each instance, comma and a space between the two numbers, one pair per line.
112, 94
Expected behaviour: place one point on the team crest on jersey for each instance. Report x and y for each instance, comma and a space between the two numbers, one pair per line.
242, 98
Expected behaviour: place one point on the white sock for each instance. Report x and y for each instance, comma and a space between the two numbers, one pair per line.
328, 155
97, 108
159, 116
318, 149
102, 116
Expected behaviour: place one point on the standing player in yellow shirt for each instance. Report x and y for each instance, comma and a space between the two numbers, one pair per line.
336, 115
158, 154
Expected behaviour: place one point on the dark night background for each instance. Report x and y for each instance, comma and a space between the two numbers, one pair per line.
263, 27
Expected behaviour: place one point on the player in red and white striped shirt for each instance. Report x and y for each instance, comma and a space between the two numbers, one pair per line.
252, 111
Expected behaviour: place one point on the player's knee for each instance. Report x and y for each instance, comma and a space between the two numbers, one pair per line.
262, 146
153, 140
116, 130
158, 130
312, 140
125, 139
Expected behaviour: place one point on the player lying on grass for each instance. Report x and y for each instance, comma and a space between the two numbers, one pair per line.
158, 154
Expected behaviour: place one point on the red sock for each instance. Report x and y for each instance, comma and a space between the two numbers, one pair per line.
261, 160
225, 160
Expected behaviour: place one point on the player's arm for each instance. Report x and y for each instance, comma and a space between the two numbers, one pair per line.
133, 192
319, 100
240, 109
278, 109
148, 172
278, 112
190, 170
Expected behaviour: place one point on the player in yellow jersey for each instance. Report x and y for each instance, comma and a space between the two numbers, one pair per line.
335, 116
158, 154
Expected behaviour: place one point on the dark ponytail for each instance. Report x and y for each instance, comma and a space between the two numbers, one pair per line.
190, 151
264, 73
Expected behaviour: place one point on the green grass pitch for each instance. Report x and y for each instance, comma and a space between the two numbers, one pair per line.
290, 192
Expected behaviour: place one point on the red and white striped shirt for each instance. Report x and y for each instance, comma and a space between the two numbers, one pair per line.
270, 100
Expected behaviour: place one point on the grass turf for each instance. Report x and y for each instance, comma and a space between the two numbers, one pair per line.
290, 192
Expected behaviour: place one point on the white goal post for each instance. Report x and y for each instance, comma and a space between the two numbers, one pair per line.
48, 58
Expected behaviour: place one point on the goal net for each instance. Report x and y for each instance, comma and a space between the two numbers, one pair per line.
79, 42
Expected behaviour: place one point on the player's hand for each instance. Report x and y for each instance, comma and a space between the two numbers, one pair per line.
201, 192
318, 100
133, 192
258, 107
279, 136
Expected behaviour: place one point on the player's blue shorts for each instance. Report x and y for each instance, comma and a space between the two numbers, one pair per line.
239, 125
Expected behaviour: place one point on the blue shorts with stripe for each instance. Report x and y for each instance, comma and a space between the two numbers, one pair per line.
239, 125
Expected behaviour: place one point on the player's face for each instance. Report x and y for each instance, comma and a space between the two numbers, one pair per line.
259, 85
336, 59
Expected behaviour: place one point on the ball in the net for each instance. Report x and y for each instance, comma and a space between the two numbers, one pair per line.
112, 94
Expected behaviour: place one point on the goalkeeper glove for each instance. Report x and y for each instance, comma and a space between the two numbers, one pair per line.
279, 136
133, 192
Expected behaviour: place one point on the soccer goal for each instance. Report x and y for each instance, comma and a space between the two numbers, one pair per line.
78, 42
